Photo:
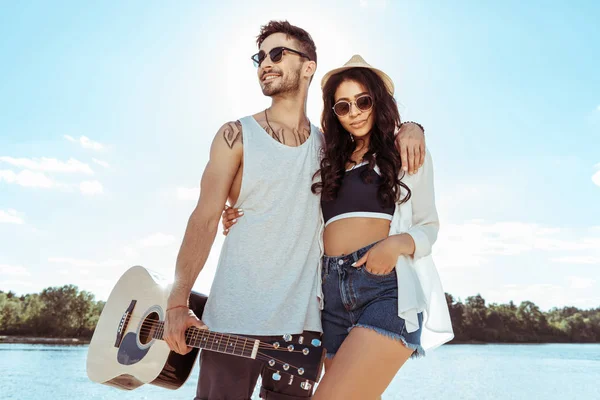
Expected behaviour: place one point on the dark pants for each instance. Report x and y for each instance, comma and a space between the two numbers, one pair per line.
227, 377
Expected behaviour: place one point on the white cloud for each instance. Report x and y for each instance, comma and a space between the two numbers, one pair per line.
544, 295
10, 216
85, 142
477, 242
134, 250
27, 178
13, 270
578, 282
373, 3
596, 178
130, 252
577, 260
90, 188
598, 108
188, 193
101, 163
156, 240
49, 165
20, 287
82, 263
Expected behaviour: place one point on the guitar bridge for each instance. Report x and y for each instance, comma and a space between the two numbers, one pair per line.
124, 322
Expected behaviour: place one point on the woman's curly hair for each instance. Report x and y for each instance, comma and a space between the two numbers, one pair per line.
339, 146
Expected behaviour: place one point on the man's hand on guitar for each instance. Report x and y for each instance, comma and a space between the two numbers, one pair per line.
177, 320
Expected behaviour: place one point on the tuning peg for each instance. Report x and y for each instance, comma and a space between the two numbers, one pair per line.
315, 342
305, 351
277, 377
301, 340
287, 337
276, 345
286, 367
271, 362
300, 371
306, 385
291, 347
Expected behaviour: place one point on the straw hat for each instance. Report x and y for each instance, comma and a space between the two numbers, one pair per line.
358, 62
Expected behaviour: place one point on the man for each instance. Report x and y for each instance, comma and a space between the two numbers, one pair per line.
266, 282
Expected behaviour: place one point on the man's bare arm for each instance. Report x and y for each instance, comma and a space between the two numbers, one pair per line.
224, 162
225, 159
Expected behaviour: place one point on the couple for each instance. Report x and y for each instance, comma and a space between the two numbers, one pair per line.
335, 237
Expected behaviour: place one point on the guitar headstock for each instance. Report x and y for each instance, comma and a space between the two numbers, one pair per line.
297, 356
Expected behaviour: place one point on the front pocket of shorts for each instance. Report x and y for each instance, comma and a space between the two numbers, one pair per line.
377, 276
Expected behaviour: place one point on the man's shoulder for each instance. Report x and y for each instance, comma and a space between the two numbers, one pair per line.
231, 132
235, 126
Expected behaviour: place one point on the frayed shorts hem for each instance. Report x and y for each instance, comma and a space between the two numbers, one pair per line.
418, 350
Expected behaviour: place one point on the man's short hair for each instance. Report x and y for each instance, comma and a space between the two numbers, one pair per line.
305, 41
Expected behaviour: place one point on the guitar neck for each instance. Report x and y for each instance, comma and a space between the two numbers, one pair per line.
214, 341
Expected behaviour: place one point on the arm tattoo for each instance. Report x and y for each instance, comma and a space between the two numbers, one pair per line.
232, 132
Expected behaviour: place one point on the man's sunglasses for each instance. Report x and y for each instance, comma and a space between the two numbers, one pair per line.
363, 103
276, 55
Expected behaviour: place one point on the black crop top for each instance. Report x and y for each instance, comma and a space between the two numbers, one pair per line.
356, 198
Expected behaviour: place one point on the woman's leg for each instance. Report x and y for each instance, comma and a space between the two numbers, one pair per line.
363, 367
329, 363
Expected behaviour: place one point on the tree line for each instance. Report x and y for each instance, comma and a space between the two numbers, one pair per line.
66, 311
525, 323
56, 312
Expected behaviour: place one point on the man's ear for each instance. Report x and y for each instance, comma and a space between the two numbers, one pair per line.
310, 68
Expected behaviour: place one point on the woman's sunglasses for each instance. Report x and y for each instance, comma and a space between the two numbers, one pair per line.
276, 54
363, 103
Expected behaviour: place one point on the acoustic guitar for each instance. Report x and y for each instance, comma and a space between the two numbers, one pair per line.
127, 349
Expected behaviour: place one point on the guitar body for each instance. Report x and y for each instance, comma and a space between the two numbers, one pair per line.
127, 349
138, 360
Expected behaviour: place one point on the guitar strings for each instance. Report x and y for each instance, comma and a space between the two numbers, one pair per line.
158, 326
147, 328
249, 342
207, 335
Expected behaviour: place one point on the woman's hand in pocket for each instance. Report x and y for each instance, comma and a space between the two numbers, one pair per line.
380, 259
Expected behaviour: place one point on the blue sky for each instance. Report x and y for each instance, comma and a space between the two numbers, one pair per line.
108, 110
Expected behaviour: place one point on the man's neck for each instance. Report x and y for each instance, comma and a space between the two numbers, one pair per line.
289, 111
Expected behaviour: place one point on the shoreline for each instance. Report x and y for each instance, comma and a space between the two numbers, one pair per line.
42, 340
531, 342
7, 339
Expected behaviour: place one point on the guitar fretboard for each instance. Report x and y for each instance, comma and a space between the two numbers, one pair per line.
213, 341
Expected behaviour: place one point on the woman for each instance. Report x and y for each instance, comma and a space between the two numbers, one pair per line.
378, 280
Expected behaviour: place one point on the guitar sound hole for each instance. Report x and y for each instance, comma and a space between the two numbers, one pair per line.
149, 327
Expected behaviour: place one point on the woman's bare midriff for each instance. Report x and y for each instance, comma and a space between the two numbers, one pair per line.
347, 235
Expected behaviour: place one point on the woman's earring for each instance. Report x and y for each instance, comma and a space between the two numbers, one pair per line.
351, 137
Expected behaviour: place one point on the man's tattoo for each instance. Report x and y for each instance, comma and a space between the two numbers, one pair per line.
277, 135
232, 132
299, 135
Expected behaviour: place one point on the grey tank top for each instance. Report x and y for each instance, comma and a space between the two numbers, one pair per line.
267, 280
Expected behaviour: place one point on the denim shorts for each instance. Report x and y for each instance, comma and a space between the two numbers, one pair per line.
355, 297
